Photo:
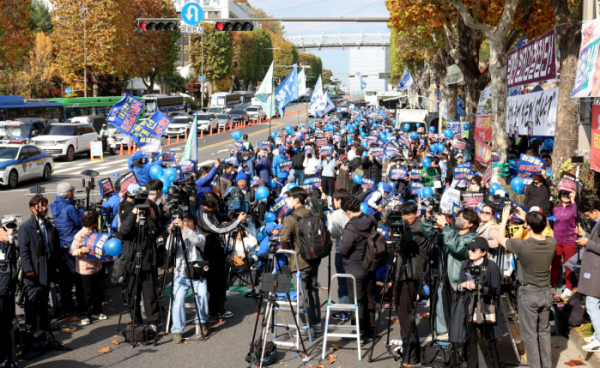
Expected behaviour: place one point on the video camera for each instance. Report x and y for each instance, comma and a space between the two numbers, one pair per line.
474, 272
396, 224
433, 204
498, 202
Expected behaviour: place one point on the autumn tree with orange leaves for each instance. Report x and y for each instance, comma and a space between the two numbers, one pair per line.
15, 41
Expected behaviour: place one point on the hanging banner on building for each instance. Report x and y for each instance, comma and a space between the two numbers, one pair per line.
444, 112
539, 108
483, 128
483, 153
532, 63
454, 75
587, 83
595, 142
484, 107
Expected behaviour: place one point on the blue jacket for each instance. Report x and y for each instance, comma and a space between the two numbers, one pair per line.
67, 220
113, 202
263, 169
276, 170
142, 173
264, 249
204, 184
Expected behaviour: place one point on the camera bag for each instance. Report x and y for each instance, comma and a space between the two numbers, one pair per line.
199, 269
315, 240
270, 356
141, 334
437, 354
376, 251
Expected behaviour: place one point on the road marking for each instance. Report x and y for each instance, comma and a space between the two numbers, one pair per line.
206, 163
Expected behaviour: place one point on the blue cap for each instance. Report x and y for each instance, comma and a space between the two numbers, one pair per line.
140, 154
281, 148
273, 226
134, 189
241, 176
387, 188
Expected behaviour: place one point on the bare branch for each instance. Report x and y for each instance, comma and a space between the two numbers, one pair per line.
468, 19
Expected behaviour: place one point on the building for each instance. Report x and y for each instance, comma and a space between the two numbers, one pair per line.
368, 62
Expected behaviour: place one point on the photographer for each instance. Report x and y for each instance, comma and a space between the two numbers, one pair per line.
478, 268
194, 244
40, 252
138, 163
204, 183
237, 198
211, 224
535, 256
67, 222
8, 263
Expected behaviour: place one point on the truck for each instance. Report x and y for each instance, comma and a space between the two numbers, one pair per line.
413, 117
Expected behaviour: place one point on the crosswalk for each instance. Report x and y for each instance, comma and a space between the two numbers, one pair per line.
103, 168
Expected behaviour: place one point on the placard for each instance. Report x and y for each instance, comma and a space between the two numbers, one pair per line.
483, 128
533, 62
472, 199
495, 156
146, 131
483, 153
487, 176
281, 207
530, 164
450, 198
96, 151
187, 166
279, 141
106, 187
169, 156
415, 174
368, 184
595, 139
460, 145
371, 139
567, 183
454, 126
539, 108
124, 113
286, 166
398, 173
126, 180
326, 150
321, 142
315, 182
376, 152
265, 145
309, 188
95, 243
231, 160
586, 84
415, 186
391, 148
461, 172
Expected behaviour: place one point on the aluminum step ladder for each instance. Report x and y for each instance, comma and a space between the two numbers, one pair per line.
342, 307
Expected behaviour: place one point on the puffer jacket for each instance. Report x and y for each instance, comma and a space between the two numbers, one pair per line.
276, 169
353, 246
142, 173
455, 245
67, 220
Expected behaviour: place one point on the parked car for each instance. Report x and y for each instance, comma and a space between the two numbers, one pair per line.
66, 139
216, 110
17, 131
19, 162
176, 113
239, 115
207, 122
95, 120
179, 126
118, 138
255, 113
224, 120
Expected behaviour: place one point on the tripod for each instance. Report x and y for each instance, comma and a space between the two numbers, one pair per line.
176, 240
16, 341
231, 250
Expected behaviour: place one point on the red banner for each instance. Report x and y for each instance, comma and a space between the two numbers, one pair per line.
595, 143
483, 128
483, 153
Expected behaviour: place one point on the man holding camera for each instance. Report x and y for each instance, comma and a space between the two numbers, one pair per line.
68, 223
212, 225
241, 198
534, 257
39, 249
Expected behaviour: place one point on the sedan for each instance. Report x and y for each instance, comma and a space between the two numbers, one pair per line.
23, 162
239, 115
224, 120
207, 122
255, 113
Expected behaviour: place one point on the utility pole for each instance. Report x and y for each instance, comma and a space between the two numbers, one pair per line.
84, 51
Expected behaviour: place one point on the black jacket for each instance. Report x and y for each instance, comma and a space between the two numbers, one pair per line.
7, 283
37, 256
415, 248
352, 246
354, 164
212, 225
297, 158
539, 196
129, 232
372, 169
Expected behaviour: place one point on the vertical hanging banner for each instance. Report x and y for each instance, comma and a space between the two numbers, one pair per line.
124, 113
539, 108
587, 81
483, 128
595, 142
147, 131
483, 153
534, 62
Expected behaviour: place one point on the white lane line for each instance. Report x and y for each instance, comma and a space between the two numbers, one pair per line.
225, 150
206, 163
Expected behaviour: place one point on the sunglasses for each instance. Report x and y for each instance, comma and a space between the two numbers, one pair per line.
485, 212
473, 250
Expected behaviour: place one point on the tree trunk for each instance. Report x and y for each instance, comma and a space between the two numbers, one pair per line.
452, 91
568, 38
499, 95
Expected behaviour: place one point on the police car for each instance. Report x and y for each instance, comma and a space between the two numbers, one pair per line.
20, 162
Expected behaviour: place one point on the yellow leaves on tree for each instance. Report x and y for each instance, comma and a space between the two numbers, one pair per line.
40, 68
286, 55
15, 37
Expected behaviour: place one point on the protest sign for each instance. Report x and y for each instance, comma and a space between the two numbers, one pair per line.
309, 188
376, 152
281, 207
414, 187
450, 198
472, 199
265, 145
315, 182
487, 175
586, 82
539, 108
146, 131
368, 184
239, 146
231, 160
126, 180
397, 173
567, 183
391, 148
454, 126
530, 164
321, 142
286, 166
124, 113
483, 153
106, 187
187, 166
95, 243
371, 139
169, 156
326, 150
533, 62
279, 141
595, 139
495, 156
461, 172
459, 145
483, 128
415, 174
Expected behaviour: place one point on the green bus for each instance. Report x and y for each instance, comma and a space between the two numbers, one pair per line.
84, 106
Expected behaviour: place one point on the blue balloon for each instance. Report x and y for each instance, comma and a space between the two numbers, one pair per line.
426, 162
414, 135
549, 144
112, 247
156, 171
310, 122
494, 187
364, 154
236, 136
357, 178
166, 182
272, 183
290, 186
289, 129
448, 133
406, 127
117, 176
171, 173
270, 217
432, 129
364, 208
467, 126
261, 193
418, 125
365, 144
427, 191
512, 164
517, 185
380, 184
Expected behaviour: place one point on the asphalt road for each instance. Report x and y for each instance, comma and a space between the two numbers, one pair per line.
229, 341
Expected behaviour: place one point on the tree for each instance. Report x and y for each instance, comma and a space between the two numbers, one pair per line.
41, 19
287, 54
40, 68
326, 76
315, 70
568, 16
15, 36
175, 82
245, 58
274, 27
264, 46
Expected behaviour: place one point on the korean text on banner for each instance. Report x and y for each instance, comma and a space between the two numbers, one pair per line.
95, 243
126, 180
454, 126
148, 130
595, 141
531, 164
125, 112
483, 128
106, 187
414, 187
287, 91
538, 108
567, 183
368, 184
586, 82
472, 199
534, 62
483, 153
398, 173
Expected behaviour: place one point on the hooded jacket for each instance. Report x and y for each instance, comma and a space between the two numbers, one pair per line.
352, 247
142, 173
281, 157
67, 220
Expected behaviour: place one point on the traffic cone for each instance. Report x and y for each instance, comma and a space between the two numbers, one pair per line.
209, 128
219, 129
178, 140
134, 150
121, 153
202, 134
169, 141
185, 138
129, 149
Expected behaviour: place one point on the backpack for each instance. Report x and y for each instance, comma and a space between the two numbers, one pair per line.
315, 240
316, 205
143, 334
376, 252
255, 353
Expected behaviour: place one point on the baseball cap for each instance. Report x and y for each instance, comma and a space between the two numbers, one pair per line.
459, 155
138, 155
63, 188
343, 157
535, 209
133, 190
281, 149
273, 226
245, 136
479, 243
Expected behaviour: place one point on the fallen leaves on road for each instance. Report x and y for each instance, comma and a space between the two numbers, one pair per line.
105, 350
116, 342
581, 357
211, 327
424, 315
75, 319
572, 363
555, 346
332, 359
379, 335
128, 323
186, 343
396, 320
310, 365
324, 288
69, 329
336, 346
321, 365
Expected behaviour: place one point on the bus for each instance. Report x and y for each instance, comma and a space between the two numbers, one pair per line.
332, 89
371, 97
227, 100
246, 98
165, 103
86, 106
15, 108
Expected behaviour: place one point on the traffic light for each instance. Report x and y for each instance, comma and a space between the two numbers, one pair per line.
233, 26
157, 25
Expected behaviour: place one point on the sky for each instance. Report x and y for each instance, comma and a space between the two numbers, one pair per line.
334, 59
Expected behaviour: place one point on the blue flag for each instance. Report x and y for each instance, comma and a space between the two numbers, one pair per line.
125, 112
287, 91
325, 106
147, 131
406, 80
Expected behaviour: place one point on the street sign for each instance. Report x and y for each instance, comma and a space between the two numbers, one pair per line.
384, 75
201, 78
190, 29
192, 13
68, 91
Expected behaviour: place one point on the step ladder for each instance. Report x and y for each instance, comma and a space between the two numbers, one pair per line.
342, 307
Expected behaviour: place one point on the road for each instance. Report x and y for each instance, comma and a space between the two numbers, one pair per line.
229, 341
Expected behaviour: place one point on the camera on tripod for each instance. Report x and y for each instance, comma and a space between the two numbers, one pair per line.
397, 226
474, 272
498, 202
141, 199
433, 204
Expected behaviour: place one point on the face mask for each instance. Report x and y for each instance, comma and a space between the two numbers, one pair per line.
245, 158
460, 223
42, 214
